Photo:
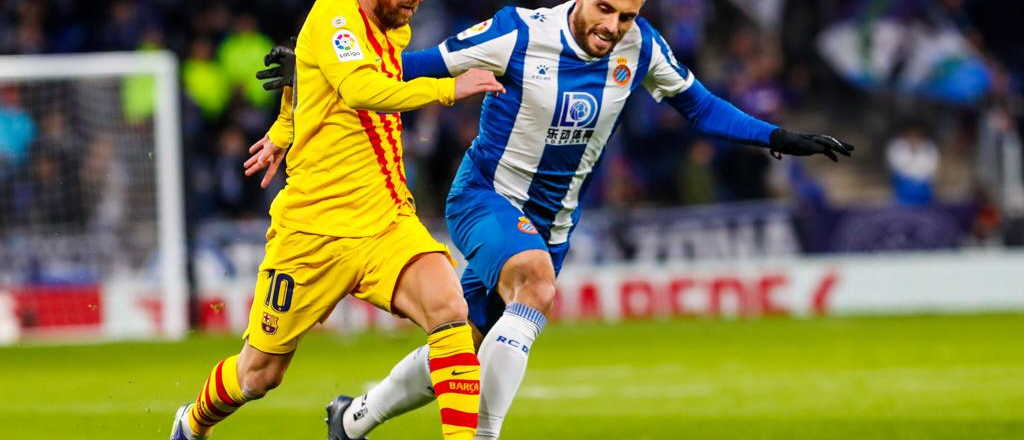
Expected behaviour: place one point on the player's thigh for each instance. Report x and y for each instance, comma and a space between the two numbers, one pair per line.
405, 261
428, 292
489, 231
301, 280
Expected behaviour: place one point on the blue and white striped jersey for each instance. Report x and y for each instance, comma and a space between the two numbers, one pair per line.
539, 143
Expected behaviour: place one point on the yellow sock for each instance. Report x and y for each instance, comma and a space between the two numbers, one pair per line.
220, 397
455, 373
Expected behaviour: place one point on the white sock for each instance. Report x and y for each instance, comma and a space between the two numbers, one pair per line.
407, 387
503, 356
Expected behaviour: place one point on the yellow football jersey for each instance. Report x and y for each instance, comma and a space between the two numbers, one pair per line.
345, 173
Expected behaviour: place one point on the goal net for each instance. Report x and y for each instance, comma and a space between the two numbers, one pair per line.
92, 239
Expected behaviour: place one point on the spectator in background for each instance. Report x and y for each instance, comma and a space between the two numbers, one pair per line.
212, 21
49, 197
758, 90
206, 83
657, 153
22, 30
104, 178
235, 195
128, 21
17, 128
998, 158
684, 28
696, 176
139, 92
18, 131
53, 189
913, 161
241, 54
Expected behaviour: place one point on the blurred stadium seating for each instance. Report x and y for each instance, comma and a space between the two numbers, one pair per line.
678, 230
930, 92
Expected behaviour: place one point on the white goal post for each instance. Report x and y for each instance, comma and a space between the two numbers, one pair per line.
92, 77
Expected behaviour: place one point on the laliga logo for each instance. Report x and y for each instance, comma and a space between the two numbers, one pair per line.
579, 109
343, 41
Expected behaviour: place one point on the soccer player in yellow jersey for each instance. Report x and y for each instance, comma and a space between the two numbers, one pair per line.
345, 221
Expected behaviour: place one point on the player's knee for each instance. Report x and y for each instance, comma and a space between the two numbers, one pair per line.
530, 278
539, 294
257, 383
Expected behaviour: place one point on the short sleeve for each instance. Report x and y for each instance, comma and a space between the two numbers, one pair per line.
337, 51
666, 76
487, 45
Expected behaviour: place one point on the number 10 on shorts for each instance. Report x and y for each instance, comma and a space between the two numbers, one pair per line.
281, 285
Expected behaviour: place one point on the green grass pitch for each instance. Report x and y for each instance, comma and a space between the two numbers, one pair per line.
869, 378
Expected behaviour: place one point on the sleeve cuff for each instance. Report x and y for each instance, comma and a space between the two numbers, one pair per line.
279, 135
446, 91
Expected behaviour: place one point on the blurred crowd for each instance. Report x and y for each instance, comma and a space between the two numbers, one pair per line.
762, 56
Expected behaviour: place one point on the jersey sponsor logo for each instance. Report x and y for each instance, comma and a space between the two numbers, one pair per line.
346, 46
269, 323
573, 127
477, 29
526, 226
542, 73
338, 22
621, 74
579, 109
568, 136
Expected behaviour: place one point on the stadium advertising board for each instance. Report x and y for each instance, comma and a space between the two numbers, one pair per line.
734, 260
894, 284
891, 284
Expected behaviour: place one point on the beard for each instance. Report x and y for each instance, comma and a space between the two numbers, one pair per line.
582, 33
391, 16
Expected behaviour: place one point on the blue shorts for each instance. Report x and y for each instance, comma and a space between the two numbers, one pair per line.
489, 230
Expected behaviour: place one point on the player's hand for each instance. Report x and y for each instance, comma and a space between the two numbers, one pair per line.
265, 155
476, 81
282, 75
800, 144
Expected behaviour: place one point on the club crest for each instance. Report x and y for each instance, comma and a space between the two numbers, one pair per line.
526, 226
269, 323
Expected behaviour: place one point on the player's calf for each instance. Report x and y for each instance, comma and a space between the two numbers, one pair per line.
429, 293
260, 372
233, 382
527, 284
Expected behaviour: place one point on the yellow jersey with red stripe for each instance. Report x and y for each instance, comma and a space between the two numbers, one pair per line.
345, 172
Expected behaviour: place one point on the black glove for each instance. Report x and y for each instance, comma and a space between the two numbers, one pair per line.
799, 144
283, 75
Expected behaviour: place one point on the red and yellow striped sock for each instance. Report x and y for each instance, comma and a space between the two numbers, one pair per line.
455, 373
220, 397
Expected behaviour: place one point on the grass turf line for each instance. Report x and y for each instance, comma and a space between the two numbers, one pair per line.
925, 377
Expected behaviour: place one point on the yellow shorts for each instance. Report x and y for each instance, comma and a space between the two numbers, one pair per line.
303, 276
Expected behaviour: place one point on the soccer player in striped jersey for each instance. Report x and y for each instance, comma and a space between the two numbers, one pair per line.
515, 201
345, 222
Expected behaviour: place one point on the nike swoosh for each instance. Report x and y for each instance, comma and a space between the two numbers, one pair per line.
459, 373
